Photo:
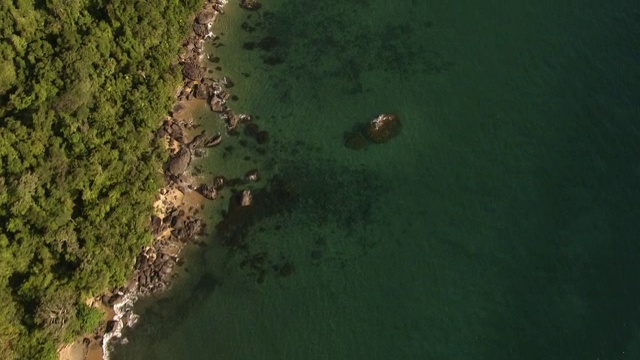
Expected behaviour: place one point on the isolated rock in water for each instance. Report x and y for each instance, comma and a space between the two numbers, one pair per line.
214, 141
179, 163
383, 128
252, 175
219, 182
208, 191
226, 81
246, 198
250, 4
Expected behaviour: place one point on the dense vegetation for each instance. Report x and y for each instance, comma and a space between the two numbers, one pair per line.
83, 85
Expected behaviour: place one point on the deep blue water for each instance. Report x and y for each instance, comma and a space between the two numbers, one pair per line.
502, 223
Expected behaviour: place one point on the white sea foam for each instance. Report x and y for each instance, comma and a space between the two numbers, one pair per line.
124, 316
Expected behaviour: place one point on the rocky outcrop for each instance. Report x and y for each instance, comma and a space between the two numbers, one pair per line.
382, 128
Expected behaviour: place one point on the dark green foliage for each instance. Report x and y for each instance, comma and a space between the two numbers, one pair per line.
83, 85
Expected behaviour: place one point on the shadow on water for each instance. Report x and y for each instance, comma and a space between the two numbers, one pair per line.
341, 47
319, 191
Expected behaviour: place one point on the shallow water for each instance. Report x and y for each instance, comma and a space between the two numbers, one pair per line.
501, 223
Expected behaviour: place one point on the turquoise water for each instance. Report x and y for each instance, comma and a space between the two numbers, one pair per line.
502, 223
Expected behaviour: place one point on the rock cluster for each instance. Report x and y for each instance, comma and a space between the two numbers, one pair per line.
197, 85
151, 270
154, 264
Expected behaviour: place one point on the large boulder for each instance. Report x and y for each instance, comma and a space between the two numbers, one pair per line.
382, 128
213, 141
200, 29
205, 17
179, 162
192, 71
198, 141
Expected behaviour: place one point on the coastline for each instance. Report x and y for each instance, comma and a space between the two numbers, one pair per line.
176, 221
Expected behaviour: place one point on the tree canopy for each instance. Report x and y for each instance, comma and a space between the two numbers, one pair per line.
83, 86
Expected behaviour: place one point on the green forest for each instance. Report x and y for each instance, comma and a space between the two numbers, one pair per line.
83, 86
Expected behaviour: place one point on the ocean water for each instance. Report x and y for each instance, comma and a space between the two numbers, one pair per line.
503, 222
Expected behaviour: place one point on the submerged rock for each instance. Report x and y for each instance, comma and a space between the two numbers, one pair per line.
262, 137
355, 140
251, 129
250, 4
214, 141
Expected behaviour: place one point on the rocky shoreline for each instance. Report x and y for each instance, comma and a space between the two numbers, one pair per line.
176, 222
